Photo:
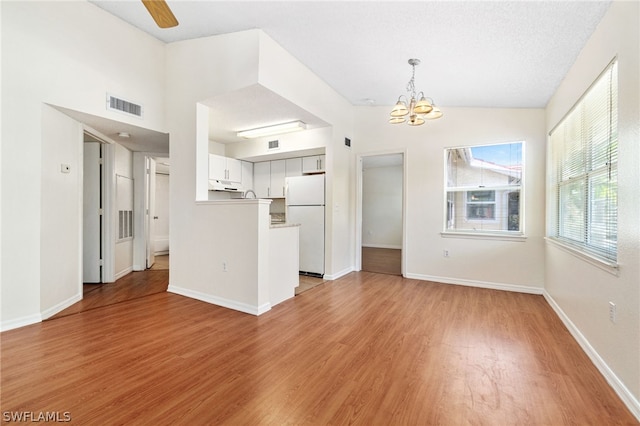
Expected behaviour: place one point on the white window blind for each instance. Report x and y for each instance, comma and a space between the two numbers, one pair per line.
483, 189
584, 172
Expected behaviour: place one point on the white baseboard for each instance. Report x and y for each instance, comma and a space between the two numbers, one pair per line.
20, 322
161, 253
48, 313
481, 284
620, 389
220, 301
124, 272
331, 277
383, 246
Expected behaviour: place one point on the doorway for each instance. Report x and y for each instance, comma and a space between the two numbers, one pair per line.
382, 213
92, 207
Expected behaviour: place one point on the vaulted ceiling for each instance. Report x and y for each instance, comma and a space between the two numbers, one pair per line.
474, 53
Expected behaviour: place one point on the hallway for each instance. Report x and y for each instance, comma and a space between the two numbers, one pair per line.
132, 286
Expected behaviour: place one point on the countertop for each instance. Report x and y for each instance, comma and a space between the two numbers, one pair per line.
284, 225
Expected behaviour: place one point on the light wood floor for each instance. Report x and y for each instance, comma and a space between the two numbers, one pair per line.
367, 349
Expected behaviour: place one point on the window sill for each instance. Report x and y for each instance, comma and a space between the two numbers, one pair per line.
606, 266
484, 236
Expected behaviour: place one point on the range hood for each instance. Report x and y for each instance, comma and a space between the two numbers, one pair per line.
225, 185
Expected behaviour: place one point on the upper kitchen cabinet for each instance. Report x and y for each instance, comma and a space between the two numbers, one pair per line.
293, 167
278, 168
313, 164
262, 178
268, 179
224, 168
247, 175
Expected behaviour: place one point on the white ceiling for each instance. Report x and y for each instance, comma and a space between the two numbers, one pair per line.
510, 54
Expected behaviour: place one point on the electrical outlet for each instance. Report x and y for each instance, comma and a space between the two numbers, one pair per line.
612, 312
445, 253
224, 266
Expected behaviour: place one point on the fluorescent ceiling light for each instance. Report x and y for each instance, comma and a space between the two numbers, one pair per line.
276, 129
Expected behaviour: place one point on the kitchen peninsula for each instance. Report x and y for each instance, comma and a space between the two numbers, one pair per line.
251, 265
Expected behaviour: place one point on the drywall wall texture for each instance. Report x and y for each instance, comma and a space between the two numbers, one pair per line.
581, 290
68, 54
512, 264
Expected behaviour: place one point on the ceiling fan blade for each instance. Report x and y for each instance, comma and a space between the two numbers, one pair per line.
161, 13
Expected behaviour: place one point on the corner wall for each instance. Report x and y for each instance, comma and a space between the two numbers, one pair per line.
484, 262
67, 54
580, 291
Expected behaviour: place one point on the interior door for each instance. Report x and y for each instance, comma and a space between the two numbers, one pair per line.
150, 209
91, 229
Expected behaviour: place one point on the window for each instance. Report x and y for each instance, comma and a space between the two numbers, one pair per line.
584, 172
483, 186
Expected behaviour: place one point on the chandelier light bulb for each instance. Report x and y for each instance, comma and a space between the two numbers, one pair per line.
418, 111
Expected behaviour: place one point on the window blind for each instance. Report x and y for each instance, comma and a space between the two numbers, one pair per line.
584, 158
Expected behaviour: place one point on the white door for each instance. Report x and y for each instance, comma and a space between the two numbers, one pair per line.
91, 232
150, 209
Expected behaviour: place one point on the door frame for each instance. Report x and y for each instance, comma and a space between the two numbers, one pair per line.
140, 198
108, 241
358, 242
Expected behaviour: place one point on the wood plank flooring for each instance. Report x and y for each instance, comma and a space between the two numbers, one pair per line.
131, 286
366, 349
382, 260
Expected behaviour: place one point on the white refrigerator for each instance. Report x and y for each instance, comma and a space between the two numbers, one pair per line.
305, 205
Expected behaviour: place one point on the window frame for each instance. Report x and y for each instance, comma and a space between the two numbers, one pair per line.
500, 201
579, 239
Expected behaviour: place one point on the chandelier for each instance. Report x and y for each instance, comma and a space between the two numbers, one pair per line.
417, 110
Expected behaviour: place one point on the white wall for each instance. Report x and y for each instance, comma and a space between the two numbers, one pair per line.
580, 290
61, 203
482, 262
68, 54
161, 237
218, 65
257, 149
382, 207
230, 254
300, 86
124, 249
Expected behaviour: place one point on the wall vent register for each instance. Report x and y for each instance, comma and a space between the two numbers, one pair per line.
121, 105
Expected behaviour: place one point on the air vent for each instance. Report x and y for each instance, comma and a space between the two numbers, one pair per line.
120, 105
347, 142
274, 144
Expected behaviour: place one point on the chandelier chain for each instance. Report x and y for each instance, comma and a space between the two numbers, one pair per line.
411, 86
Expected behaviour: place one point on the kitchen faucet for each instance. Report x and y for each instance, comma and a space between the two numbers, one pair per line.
250, 191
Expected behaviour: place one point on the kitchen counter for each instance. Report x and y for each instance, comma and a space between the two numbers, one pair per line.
283, 225
250, 265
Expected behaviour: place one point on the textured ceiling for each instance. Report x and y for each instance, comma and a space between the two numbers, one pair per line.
508, 54
474, 53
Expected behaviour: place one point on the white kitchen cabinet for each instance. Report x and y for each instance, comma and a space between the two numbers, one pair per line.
268, 179
262, 178
313, 164
278, 174
234, 170
293, 167
217, 167
224, 168
247, 175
